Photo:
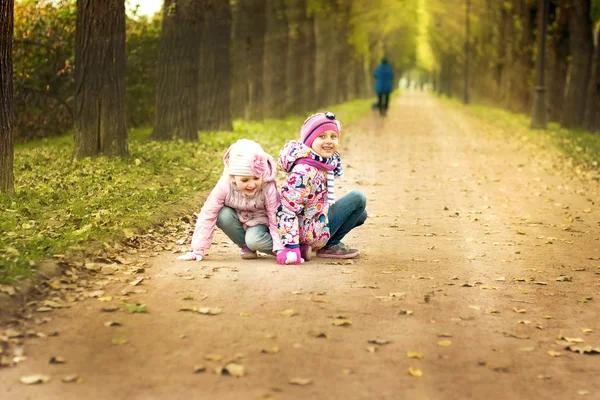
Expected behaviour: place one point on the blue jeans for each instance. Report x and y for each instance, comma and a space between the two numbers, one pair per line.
346, 214
255, 237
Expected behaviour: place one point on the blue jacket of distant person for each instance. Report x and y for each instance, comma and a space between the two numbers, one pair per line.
384, 78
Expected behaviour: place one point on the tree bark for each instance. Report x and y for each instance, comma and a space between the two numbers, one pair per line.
6, 97
592, 116
214, 111
327, 61
250, 28
275, 59
178, 71
100, 123
299, 49
558, 54
582, 49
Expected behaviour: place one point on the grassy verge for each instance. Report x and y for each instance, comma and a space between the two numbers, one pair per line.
61, 204
582, 148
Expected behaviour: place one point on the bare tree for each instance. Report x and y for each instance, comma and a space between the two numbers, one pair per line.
249, 48
215, 67
276, 59
582, 48
178, 66
100, 124
6, 97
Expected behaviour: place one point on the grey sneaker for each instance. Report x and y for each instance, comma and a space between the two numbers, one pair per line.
305, 251
247, 254
340, 250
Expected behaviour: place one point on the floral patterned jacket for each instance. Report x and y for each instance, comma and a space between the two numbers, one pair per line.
302, 215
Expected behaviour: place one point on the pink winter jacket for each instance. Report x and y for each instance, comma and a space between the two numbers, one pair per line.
260, 209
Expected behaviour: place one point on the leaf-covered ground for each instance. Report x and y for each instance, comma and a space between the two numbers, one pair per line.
62, 203
478, 278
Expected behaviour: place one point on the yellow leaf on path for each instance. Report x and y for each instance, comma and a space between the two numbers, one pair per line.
520, 279
586, 330
415, 372
341, 322
34, 379
119, 340
501, 279
444, 343
233, 369
290, 312
300, 381
553, 353
73, 378
519, 311
105, 299
271, 350
414, 354
318, 300
245, 314
213, 357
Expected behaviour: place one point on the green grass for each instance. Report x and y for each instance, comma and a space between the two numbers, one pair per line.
581, 147
62, 204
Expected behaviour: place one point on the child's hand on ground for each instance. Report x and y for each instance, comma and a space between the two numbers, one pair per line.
192, 256
289, 256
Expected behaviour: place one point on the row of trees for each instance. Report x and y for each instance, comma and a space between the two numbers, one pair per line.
502, 51
214, 60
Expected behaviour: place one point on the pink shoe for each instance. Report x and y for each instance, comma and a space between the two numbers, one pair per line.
247, 254
340, 250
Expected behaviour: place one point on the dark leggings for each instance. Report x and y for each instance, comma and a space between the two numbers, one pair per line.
383, 100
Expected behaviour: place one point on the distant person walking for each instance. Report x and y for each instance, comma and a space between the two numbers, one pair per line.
384, 78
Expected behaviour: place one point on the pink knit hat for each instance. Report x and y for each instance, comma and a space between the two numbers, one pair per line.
247, 158
317, 124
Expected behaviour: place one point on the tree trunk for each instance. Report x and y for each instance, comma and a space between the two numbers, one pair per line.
524, 66
558, 54
275, 60
582, 49
178, 71
327, 61
309, 64
592, 116
299, 50
100, 123
501, 63
214, 98
6, 97
250, 28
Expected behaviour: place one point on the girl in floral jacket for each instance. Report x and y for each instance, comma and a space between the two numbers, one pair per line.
243, 204
309, 217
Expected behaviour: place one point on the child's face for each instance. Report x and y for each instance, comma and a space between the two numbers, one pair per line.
326, 143
248, 185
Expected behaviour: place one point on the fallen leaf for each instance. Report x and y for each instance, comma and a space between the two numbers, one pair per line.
105, 299
492, 311
57, 360
213, 357
583, 392
527, 349
290, 312
318, 300
135, 308
415, 372
270, 350
300, 381
371, 349
519, 311
318, 334
405, 312
564, 278
541, 283
119, 341
34, 379
112, 323
379, 341
524, 322
73, 378
210, 311
583, 349
520, 280
586, 330
501, 279
198, 369
553, 353
444, 334
341, 322
414, 354
444, 343
233, 369
109, 309
136, 282
245, 314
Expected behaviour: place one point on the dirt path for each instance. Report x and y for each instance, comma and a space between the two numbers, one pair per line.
458, 218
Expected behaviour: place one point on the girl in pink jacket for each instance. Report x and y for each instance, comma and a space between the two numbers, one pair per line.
243, 204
